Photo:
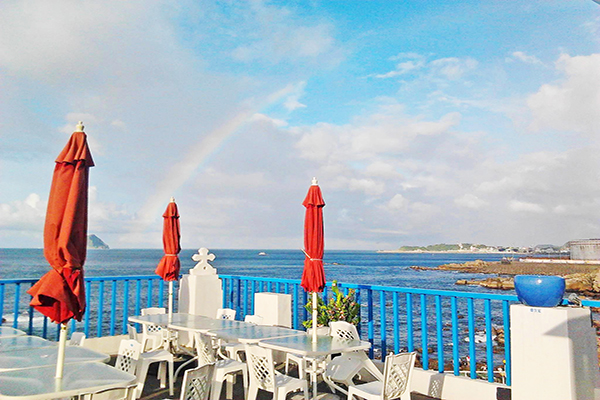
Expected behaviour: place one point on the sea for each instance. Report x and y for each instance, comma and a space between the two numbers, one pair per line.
345, 266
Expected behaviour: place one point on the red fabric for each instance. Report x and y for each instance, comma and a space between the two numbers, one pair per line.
60, 293
168, 268
313, 276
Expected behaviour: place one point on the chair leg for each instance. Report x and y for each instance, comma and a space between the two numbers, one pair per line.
230, 380
252, 392
171, 377
215, 390
141, 378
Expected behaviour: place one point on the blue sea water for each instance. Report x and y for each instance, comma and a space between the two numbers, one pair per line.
361, 267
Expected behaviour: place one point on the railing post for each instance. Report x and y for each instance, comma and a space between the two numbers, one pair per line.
16, 306
113, 307
396, 324
507, 359
424, 342
88, 296
440, 333
383, 324
370, 321
296, 308
455, 343
488, 342
100, 308
125, 306
410, 339
472, 358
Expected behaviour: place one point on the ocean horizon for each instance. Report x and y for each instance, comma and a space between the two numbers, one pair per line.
349, 266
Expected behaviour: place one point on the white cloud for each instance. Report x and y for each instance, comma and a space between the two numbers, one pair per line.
262, 118
524, 206
470, 201
523, 57
276, 35
453, 68
398, 202
571, 104
27, 214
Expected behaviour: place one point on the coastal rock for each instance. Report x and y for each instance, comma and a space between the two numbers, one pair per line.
500, 283
94, 242
580, 283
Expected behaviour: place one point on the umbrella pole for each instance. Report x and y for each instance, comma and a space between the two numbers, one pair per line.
170, 317
314, 317
62, 342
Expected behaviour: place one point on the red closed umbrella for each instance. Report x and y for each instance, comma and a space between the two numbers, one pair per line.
313, 275
60, 293
168, 267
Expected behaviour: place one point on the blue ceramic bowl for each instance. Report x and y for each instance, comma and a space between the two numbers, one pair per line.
540, 290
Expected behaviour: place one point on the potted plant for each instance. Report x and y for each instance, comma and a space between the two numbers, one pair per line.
340, 307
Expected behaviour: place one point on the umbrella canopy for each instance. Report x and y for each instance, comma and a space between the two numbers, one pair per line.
168, 267
313, 276
60, 293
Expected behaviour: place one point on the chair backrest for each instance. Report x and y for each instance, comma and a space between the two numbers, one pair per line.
154, 310
253, 319
204, 348
396, 374
129, 355
225, 313
260, 367
196, 383
147, 328
77, 339
132, 332
343, 330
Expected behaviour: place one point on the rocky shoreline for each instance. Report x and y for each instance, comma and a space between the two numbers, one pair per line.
582, 279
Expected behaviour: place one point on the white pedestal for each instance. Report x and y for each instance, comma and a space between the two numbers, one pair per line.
200, 295
553, 352
275, 308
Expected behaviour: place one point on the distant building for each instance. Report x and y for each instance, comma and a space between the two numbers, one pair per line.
588, 249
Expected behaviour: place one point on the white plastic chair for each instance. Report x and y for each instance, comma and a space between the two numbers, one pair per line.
152, 334
223, 369
343, 368
77, 339
226, 313
132, 332
131, 359
196, 383
396, 380
263, 375
235, 350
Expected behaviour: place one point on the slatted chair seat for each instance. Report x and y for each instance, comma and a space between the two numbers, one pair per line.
197, 383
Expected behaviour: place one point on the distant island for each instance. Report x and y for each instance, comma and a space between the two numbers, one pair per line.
478, 248
94, 242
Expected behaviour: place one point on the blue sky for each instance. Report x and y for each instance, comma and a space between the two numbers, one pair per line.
424, 122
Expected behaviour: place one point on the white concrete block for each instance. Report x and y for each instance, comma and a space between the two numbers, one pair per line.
275, 308
553, 353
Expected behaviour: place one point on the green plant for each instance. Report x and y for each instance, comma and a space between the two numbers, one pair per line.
340, 307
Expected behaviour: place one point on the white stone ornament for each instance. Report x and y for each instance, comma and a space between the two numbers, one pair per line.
203, 267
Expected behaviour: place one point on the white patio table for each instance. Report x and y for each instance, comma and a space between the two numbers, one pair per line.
46, 356
249, 333
6, 331
23, 342
39, 383
314, 352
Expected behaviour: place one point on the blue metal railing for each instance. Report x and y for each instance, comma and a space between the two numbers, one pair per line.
456, 332
100, 319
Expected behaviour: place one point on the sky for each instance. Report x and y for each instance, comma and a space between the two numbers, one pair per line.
424, 122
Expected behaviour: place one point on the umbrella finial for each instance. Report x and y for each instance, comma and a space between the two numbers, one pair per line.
314, 181
79, 127
172, 199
